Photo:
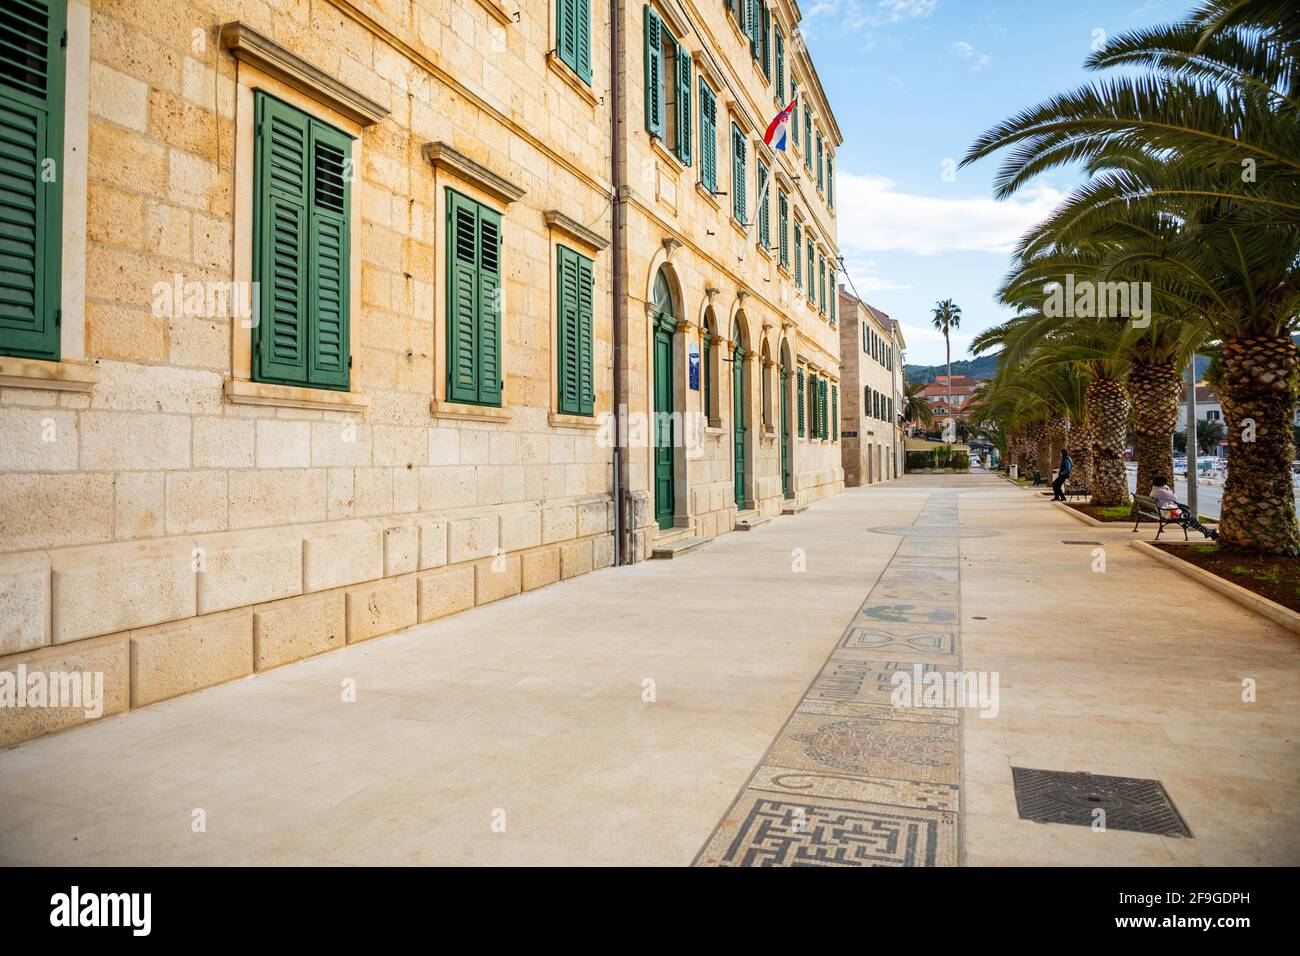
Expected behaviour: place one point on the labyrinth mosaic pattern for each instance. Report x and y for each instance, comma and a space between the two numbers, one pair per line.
852, 779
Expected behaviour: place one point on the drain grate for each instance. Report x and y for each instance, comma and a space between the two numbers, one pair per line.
1130, 803
1063, 541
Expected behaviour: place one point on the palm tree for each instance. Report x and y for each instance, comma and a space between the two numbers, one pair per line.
1208, 141
916, 407
947, 316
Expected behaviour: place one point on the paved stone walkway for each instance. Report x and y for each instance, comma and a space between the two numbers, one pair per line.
615, 717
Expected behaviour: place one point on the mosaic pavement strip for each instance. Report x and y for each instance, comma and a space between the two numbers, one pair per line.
850, 781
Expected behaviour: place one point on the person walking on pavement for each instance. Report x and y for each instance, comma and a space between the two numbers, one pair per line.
1062, 473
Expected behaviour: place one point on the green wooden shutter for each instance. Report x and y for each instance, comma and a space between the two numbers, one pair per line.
800, 399
798, 255
280, 244
764, 219
31, 176
783, 227
708, 138
830, 181
654, 72
328, 273
821, 176
739, 206
835, 412
583, 51
567, 346
462, 298
752, 28
489, 306
566, 31
821, 408
766, 40
707, 372
812, 284
780, 65
807, 139
821, 283
575, 363
684, 105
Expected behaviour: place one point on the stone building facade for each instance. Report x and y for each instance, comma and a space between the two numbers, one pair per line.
311, 335
730, 312
870, 349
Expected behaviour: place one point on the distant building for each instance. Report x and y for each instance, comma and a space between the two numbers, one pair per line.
1209, 409
872, 376
962, 391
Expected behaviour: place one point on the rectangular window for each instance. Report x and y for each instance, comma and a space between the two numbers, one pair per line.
807, 140
31, 200
783, 227
573, 35
821, 284
576, 285
654, 73
301, 236
835, 412
764, 217
812, 262
794, 117
779, 47
765, 40
752, 29
708, 138
821, 171
473, 301
739, 205
798, 401
830, 181
798, 256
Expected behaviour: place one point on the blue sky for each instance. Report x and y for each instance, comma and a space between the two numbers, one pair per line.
912, 83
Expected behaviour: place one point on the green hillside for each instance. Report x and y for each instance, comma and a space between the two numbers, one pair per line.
982, 367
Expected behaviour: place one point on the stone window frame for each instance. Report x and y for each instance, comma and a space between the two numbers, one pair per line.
71, 372
261, 65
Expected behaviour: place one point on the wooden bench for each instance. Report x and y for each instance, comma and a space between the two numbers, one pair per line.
1148, 507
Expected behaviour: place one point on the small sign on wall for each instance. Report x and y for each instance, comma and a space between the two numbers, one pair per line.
693, 363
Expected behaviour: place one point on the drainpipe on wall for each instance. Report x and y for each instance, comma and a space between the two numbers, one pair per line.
618, 310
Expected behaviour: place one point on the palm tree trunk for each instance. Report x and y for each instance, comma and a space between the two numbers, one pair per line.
1033, 435
1257, 386
1107, 405
1154, 390
947, 352
1055, 442
1043, 450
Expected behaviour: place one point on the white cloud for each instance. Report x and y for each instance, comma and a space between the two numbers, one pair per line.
875, 216
977, 60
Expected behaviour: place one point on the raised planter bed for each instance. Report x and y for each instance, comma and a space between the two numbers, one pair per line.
1252, 592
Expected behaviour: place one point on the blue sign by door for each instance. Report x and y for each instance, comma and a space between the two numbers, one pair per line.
693, 359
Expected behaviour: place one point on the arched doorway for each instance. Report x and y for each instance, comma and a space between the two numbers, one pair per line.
665, 433
787, 431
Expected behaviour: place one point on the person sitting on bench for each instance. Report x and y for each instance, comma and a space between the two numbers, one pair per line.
1172, 508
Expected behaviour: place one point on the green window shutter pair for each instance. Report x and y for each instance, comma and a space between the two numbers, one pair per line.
798, 256
799, 400
807, 140
821, 284
822, 415
821, 176
473, 301
683, 105
780, 65
654, 73
812, 288
752, 28
302, 203
830, 181
765, 26
739, 204
32, 61
834, 293
764, 218
573, 35
783, 227
835, 412
708, 138
576, 284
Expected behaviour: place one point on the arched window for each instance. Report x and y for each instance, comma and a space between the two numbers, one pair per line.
664, 296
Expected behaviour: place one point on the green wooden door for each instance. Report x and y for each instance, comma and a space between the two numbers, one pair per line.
665, 439
785, 436
738, 421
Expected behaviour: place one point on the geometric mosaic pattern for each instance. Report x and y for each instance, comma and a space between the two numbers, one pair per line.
851, 780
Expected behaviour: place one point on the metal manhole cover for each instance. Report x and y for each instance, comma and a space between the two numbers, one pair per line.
1130, 803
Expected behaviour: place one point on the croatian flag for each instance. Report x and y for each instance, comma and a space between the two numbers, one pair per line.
779, 127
